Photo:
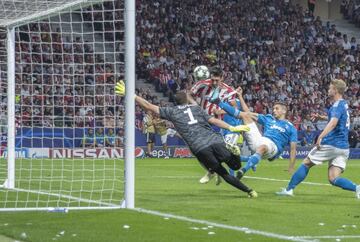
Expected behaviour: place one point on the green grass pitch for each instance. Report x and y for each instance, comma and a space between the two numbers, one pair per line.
317, 212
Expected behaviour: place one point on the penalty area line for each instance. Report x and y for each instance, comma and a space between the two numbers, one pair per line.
225, 226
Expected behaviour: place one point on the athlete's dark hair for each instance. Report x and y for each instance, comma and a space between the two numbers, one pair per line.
216, 71
181, 98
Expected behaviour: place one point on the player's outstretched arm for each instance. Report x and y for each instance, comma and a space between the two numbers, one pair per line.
120, 90
223, 125
146, 105
228, 108
315, 117
244, 106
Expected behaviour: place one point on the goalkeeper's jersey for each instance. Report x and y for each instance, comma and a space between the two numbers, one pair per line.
191, 122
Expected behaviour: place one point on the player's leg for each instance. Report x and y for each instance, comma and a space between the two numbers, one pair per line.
149, 144
207, 177
233, 181
222, 154
164, 144
315, 157
265, 148
335, 179
208, 158
337, 167
232, 139
299, 176
253, 160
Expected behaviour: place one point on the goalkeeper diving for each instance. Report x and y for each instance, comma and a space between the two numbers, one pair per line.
194, 126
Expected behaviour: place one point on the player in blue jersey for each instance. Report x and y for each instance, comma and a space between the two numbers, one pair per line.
332, 145
277, 133
231, 137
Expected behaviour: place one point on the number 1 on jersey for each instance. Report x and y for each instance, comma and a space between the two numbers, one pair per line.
191, 116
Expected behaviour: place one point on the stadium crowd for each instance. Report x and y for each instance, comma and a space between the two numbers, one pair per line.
351, 10
273, 49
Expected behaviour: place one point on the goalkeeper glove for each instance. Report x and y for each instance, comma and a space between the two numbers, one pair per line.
120, 88
239, 128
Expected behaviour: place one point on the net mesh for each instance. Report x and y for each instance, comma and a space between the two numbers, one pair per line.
68, 120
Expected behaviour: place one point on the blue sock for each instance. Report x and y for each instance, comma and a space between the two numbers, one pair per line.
253, 160
298, 177
229, 109
344, 183
244, 158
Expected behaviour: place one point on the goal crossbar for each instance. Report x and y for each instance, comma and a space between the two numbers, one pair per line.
62, 6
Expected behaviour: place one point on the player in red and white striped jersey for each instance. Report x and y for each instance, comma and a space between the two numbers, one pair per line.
202, 92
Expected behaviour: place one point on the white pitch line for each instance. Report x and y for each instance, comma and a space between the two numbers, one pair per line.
249, 177
330, 237
225, 226
280, 180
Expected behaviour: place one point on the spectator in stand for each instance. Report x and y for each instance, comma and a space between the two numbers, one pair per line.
89, 139
308, 137
307, 124
351, 11
273, 49
149, 131
120, 138
99, 137
110, 138
162, 129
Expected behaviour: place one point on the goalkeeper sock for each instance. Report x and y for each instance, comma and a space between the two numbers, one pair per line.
298, 177
229, 109
221, 171
344, 183
253, 161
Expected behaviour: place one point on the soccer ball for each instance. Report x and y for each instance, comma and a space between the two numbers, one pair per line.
201, 73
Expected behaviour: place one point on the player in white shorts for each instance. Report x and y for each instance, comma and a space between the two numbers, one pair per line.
278, 133
332, 145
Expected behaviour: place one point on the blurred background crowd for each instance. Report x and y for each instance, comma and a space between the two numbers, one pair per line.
274, 49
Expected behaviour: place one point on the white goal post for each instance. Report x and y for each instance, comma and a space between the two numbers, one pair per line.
61, 125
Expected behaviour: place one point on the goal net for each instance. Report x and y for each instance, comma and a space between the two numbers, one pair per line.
61, 125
